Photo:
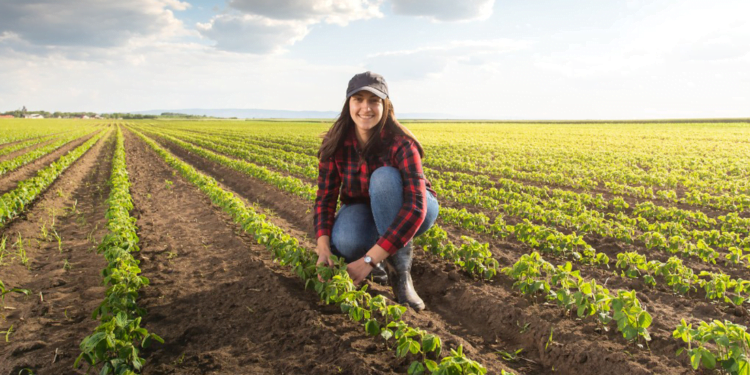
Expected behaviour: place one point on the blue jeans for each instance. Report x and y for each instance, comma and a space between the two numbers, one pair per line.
358, 226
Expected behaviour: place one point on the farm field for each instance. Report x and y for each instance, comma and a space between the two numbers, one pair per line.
559, 248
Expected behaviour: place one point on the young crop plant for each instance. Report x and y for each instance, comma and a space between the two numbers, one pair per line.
115, 344
716, 345
4, 290
473, 257
333, 285
3, 250
570, 291
14, 202
632, 320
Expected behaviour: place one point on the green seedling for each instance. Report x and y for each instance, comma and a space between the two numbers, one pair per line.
21, 250
59, 241
8, 333
53, 216
4, 291
168, 184
509, 356
43, 231
549, 340
524, 328
66, 265
3, 241
74, 208
90, 237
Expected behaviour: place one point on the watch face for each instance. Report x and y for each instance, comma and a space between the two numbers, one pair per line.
368, 259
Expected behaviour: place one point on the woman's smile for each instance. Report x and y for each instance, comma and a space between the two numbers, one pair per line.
366, 110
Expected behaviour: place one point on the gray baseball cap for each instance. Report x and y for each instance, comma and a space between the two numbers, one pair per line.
369, 81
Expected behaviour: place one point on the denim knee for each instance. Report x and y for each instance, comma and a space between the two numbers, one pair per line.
386, 181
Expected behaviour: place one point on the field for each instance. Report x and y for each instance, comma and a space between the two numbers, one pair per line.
189, 246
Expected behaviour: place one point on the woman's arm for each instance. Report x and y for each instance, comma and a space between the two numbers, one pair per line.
329, 183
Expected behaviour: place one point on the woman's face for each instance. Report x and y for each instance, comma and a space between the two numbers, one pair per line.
366, 110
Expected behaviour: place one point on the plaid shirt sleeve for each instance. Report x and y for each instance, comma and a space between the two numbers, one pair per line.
329, 183
414, 209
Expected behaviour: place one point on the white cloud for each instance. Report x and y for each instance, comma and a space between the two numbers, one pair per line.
445, 10
427, 61
88, 23
339, 12
267, 26
171, 76
252, 33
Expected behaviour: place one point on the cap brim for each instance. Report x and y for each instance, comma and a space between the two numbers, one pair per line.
375, 91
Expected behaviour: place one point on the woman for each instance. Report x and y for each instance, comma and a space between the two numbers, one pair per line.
374, 164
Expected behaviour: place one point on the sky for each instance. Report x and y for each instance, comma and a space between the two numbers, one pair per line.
491, 59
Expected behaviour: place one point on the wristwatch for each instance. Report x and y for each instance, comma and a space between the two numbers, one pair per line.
368, 260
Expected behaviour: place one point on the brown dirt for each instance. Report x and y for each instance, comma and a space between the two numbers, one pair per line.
50, 323
219, 301
9, 180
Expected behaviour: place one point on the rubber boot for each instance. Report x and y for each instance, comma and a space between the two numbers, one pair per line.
399, 276
379, 275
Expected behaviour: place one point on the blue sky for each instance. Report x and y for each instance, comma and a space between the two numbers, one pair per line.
542, 59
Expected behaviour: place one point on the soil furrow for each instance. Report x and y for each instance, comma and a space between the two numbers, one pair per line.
65, 284
217, 298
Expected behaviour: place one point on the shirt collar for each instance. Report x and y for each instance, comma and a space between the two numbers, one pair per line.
351, 137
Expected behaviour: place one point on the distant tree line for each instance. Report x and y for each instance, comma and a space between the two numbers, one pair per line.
21, 113
180, 115
127, 116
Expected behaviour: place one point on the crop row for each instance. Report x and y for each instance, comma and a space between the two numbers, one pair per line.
379, 319
682, 279
473, 257
562, 208
21, 160
115, 344
476, 261
15, 201
615, 177
670, 237
24, 144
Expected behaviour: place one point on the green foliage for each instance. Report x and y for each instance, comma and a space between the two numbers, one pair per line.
473, 257
570, 291
728, 350
115, 344
15, 201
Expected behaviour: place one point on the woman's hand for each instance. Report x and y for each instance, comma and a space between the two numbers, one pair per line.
358, 270
324, 251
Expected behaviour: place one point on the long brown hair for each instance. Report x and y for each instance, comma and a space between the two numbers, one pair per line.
333, 139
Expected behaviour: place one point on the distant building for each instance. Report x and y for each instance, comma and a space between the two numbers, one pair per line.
85, 117
34, 116
7, 116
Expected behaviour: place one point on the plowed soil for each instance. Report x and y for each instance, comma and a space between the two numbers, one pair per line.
49, 324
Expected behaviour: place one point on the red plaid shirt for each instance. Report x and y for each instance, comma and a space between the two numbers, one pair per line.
343, 175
